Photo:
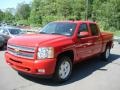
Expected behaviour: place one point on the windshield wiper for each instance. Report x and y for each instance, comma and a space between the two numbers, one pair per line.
57, 33
50, 33
43, 33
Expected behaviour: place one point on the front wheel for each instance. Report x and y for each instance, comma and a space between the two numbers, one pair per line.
105, 56
63, 69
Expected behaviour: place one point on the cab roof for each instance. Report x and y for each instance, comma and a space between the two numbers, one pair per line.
77, 21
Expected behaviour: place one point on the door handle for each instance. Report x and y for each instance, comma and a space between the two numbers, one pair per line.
90, 41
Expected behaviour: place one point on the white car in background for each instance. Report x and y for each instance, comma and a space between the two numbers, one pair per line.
9, 32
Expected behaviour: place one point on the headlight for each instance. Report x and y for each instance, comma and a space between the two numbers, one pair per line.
45, 52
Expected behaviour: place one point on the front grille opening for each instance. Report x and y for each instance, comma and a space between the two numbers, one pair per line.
20, 51
15, 61
19, 67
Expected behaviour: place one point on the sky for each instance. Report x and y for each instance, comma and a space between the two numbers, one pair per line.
11, 3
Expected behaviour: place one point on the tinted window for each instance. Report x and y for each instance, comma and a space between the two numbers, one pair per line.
62, 28
83, 28
15, 31
94, 29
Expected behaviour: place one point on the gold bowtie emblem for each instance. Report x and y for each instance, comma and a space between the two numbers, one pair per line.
17, 50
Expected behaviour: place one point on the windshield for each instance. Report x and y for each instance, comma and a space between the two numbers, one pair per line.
61, 28
15, 31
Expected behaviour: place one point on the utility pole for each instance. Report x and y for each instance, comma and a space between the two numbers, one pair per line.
73, 10
86, 14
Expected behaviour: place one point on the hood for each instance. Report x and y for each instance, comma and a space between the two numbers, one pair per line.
33, 40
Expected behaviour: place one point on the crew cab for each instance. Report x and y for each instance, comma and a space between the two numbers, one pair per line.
57, 47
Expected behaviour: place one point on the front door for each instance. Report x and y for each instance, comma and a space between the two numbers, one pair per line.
84, 44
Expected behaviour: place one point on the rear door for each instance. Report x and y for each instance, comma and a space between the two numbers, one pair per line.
96, 37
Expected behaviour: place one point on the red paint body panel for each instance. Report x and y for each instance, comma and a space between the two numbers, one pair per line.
82, 48
31, 66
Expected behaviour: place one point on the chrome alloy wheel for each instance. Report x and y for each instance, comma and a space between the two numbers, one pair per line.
107, 54
64, 69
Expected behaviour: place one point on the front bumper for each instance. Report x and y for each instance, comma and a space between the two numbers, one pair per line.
33, 67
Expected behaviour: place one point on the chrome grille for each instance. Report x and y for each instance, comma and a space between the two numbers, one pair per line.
21, 51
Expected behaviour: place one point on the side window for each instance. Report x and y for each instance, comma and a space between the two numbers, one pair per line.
94, 29
83, 28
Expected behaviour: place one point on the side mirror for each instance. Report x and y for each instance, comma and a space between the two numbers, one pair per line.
83, 34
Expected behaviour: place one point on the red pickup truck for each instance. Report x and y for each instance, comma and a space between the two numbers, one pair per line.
57, 47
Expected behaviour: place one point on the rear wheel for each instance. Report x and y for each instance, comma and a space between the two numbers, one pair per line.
105, 56
63, 69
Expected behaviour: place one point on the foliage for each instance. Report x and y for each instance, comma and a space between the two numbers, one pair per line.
23, 22
41, 12
107, 12
23, 11
1, 16
8, 17
44, 11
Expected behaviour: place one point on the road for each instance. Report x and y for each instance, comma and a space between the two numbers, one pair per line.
90, 75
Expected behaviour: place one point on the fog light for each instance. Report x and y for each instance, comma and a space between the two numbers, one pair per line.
41, 70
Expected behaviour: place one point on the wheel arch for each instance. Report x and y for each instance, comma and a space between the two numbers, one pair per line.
109, 44
69, 53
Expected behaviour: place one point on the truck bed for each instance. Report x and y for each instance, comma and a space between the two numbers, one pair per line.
107, 37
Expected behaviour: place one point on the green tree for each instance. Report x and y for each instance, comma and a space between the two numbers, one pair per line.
23, 11
35, 15
107, 13
64, 8
78, 9
8, 17
1, 15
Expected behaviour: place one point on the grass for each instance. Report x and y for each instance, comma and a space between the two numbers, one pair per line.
117, 33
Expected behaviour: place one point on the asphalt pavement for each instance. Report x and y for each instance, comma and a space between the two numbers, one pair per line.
93, 74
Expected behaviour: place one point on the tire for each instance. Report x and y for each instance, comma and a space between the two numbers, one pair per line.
105, 56
63, 69
20, 73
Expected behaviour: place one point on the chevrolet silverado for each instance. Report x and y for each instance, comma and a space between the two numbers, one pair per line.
57, 47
